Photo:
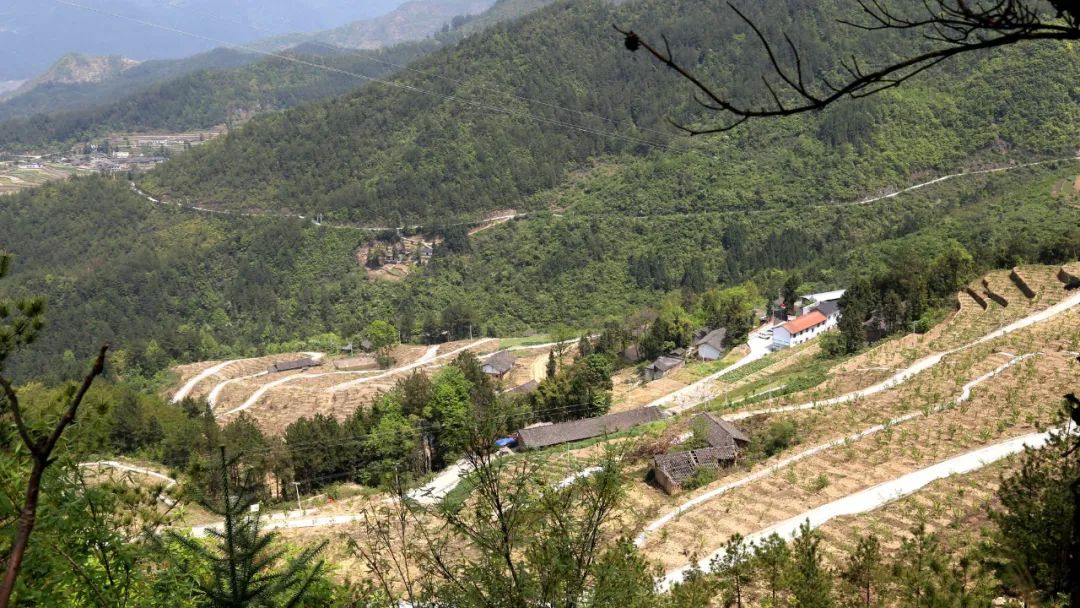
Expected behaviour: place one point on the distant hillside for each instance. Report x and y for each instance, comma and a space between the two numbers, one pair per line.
74, 68
460, 134
569, 122
413, 20
34, 34
214, 87
54, 91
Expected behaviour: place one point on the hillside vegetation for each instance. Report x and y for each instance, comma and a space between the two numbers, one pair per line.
456, 138
630, 222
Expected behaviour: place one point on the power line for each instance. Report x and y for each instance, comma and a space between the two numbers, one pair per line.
390, 83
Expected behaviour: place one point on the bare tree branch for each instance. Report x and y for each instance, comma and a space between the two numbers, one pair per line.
959, 26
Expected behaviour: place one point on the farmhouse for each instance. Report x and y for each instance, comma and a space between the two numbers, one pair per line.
355, 363
710, 347
540, 436
287, 366
662, 367
800, 330
523, 389
726, 442
499, 364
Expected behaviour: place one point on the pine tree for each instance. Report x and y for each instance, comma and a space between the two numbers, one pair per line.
734, 569
552, 367
810, 582
863, 570
245, 570
585, 347
771, 559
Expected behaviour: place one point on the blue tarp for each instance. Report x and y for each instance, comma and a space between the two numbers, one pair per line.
506, 442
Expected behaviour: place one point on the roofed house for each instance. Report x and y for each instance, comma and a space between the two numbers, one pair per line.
499, 364
672, 470
351, 363
524, 389
722, 434
534, 437
662, 367
293, 364
726, 441
799, 330
831, 310
711, 347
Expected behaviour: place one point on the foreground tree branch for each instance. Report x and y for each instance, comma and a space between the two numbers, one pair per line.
41, 449
956, 26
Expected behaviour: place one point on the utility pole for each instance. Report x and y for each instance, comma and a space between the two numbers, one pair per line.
296, 484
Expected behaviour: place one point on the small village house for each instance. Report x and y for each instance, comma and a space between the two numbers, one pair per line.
662, 367
293, 364
710, 346
499, 364
544, 435
726, 443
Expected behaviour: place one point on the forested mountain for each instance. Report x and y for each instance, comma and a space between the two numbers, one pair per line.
458, 135
215, 87
46, 94
209, 97
638, 211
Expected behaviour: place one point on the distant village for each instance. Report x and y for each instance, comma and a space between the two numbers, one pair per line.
121, 153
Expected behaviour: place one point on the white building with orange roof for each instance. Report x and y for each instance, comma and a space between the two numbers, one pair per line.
797, 331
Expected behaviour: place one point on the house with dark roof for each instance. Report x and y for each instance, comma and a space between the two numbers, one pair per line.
726, 442
355, 363
539, 436
711, 346
294, 364
663, 365
523, 389
499, 364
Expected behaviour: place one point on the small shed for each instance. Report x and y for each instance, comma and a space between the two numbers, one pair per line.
711, 347
553, 434
293, 364
662, 367
499, 364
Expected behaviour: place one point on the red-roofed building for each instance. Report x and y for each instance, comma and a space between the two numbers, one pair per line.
800, 330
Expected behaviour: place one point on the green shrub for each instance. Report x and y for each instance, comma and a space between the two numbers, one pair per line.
701, 477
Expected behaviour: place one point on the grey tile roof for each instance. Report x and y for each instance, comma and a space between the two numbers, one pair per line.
828, 308
679, 466
563, 432
285, 366
722, 432
664, 363
714, 338
502, 361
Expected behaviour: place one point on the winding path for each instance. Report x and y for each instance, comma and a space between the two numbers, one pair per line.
919, 366
881, 494
965, 394
120, 466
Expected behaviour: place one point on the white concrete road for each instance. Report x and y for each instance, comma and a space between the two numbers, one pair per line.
919, 366
701, 391
965, 394
879, 495
120, 466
